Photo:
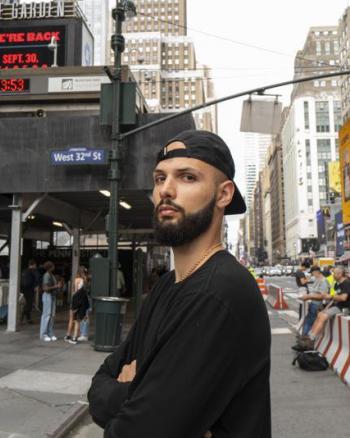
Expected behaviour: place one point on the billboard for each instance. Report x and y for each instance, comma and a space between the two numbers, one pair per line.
29, 47
334, 176
344, 155
321, 227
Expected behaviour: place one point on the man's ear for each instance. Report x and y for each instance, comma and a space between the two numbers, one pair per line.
226, 191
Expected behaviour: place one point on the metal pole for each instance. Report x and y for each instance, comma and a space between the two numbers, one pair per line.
15, 262
118, 47
259, 91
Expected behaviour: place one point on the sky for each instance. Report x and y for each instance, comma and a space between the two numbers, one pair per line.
236, 25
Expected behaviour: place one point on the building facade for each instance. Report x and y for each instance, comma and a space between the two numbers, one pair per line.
310, 140
266, 212
97, 15
255, 149
163, 60
344, 60
275, 165
257, 231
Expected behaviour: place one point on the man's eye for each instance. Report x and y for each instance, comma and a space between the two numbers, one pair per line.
159, 179
189, 177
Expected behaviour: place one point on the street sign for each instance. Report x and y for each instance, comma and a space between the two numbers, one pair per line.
78, 156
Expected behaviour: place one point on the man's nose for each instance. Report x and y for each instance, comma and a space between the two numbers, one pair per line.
168, 189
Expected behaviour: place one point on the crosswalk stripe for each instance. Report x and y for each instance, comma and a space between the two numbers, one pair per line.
280, 331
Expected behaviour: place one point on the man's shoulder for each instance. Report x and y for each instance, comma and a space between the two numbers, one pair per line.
345, 285
230, 281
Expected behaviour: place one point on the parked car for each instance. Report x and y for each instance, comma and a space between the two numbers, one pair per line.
275, 271
259, 271
288, 270
266, 270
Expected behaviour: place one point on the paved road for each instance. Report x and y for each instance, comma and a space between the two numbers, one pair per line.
304, 405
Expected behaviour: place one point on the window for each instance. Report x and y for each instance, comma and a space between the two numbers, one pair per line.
322, 116
337, 115
306, 115
336, 46
328, 47
318, 48
307, 152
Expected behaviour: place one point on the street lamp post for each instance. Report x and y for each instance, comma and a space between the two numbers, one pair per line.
123, 9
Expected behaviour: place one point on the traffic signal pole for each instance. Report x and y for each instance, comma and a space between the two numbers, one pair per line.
254, 91
118, 45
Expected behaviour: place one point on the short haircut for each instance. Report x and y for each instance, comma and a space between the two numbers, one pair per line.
48, 265
342, 270
305, 265
31, 262
315, 269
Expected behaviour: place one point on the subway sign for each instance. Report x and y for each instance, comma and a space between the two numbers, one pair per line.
28, 47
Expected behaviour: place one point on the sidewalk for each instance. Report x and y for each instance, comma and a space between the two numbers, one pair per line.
43, 385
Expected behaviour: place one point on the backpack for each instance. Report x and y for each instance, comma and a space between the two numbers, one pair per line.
311, 361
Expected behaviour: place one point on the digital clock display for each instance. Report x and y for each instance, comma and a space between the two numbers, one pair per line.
14, 86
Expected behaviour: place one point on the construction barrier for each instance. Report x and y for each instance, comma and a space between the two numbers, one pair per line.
276, 298
334, 345
262, 286
304, 311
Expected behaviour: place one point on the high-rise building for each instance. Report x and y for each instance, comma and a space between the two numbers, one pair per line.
344, 58
275, 165
255, 149
163, 60
310, 139
97, 15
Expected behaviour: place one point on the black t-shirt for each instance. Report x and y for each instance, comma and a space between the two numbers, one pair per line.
203, 361
343, 288
298, 276
29, 279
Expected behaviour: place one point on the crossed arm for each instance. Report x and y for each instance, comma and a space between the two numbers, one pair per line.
165, 395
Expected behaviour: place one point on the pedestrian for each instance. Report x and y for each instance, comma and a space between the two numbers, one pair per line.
302, 283
49, 286
197, 361
318, 288
29, 286
337, 304
80, 281
80, 306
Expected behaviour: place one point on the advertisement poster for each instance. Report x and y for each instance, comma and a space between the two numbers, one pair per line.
344, 154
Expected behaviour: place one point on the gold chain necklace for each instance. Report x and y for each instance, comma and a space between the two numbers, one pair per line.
204, 257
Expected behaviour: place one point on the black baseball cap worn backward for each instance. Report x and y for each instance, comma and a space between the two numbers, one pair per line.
210, 148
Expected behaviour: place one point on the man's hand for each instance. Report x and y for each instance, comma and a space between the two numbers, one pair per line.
128, 373
304, 297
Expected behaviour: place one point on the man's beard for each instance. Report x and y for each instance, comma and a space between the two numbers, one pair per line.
188, 228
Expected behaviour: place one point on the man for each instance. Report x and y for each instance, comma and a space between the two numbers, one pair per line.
338, 302
331, 280
302, 282
301, 278
192, 366
319, 288
29, 285
252, 272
